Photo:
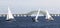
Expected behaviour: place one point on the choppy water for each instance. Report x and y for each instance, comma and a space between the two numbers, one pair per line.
26, 22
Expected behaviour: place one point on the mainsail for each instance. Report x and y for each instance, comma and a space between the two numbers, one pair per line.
9, 15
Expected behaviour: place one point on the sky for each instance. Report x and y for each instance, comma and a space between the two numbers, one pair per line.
25, 6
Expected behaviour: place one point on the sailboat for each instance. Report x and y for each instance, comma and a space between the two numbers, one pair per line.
9, 16
36, 18
48, 16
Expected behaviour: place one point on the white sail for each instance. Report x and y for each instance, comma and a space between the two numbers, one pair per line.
37, 15
9, 15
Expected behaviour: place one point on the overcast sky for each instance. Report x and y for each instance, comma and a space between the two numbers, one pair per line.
24, 6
